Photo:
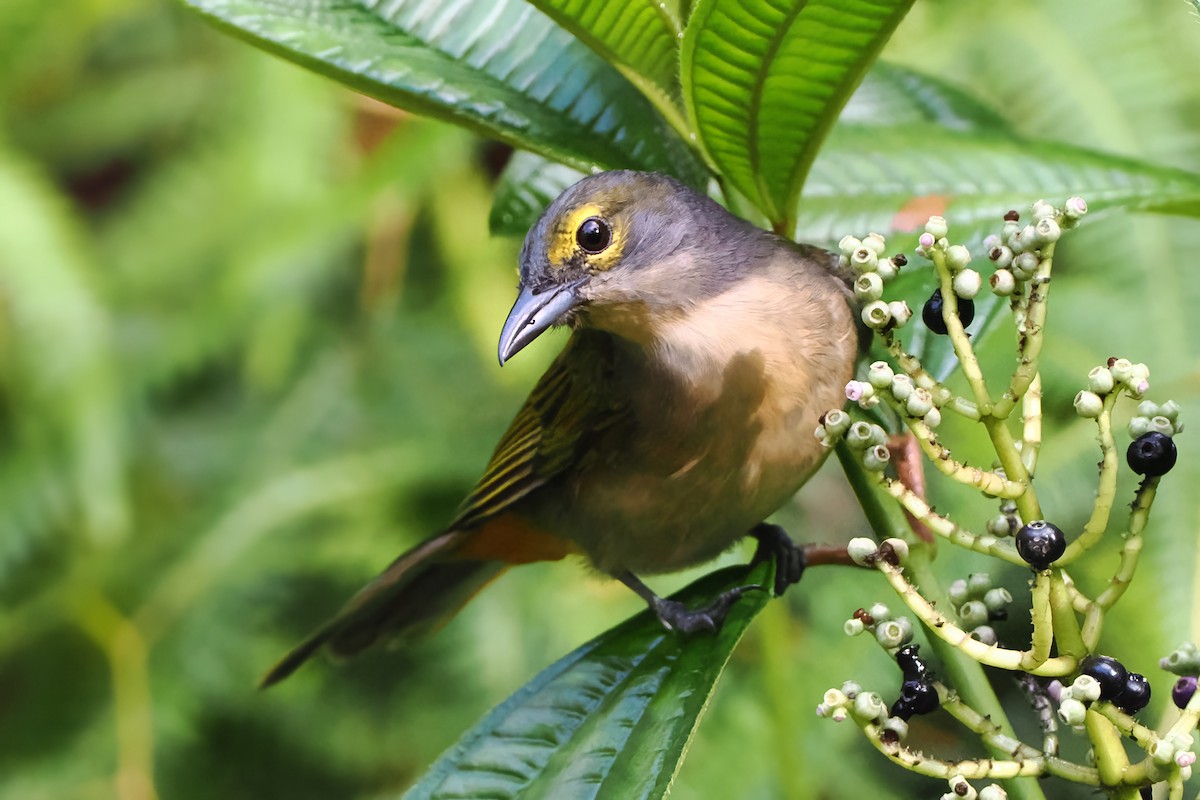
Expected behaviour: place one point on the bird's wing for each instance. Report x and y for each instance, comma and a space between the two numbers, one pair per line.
571, 402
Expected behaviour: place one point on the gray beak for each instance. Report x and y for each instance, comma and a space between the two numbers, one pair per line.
532, 314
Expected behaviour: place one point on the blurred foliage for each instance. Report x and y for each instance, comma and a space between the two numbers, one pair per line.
246, 357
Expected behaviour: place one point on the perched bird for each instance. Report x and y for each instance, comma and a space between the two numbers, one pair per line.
679, 415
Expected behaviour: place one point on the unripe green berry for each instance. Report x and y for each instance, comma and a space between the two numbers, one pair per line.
919, 402
876, 458
861, 435
932, 417
985, 634
978, 584
836, 421
1025, 265
899, 548
876, 242
997, 599
1088, 404
1147, 408
999, 526
897, 726
1075, 207
886, 269
1003, 283
1162, 751
1138, 426
967, 283
862, 551
1002, 255
869, 706
1100, 380
851, 689
1170, 410
937, 227
1086, 689
1043, 210
1047, 231
958, 592
973, 613
834, 698
1183, 660
993, 792
900, 312
961, 790
894, 633
902, 387
853, 626
879, 374
848, 245
957, 257
1162, 425
1072, 712
880, 612
875, 315
863, 260
868, 287
1122, 369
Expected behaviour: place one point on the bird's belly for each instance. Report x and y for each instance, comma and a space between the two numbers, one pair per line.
650, 515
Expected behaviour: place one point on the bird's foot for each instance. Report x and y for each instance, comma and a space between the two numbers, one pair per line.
774, 544
675, 616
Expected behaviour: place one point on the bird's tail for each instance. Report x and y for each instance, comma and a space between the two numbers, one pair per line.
422, 589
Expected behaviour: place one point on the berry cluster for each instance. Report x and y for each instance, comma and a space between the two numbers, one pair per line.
864, 257
1128, 691
965, 282
978, 604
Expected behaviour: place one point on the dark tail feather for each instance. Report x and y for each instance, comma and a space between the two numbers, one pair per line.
419, 592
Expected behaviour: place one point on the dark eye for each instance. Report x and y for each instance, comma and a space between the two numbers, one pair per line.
593, 235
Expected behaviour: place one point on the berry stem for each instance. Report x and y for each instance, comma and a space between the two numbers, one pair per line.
1132, 548
952, 634
963, 350
1111, 760
921, 510
1106, 492
1030, 318
943, 396
1014, 468
1031, 415
1043, 624
984, 480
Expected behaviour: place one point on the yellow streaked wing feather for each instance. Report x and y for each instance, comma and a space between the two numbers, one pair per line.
572, 400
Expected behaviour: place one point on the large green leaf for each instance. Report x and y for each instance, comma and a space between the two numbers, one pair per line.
611, 720
889, 95
890, 179
763, 83
639, 37
498, 66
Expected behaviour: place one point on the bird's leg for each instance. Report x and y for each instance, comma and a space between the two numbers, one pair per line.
676, 616
774, 543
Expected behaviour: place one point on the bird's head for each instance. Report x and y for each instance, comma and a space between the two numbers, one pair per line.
614, 248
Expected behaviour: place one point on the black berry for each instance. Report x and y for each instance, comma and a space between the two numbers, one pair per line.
1108, 672
1135, 696
916, 697
1041, 543
932, 312
1183, 690
1151, 454
910, 663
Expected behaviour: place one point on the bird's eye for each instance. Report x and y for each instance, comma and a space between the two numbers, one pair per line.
593, 235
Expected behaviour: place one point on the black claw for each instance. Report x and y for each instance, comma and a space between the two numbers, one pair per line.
676, 616
776, 545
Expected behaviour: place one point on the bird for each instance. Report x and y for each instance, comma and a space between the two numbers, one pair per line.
679, 415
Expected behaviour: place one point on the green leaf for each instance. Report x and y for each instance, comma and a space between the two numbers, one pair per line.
891, 179
528, 184
892, 95
638, 37
612, 719
763, 83
499, 67
889, 95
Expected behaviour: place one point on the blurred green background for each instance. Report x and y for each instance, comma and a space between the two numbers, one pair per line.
247, 326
